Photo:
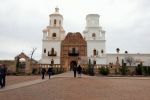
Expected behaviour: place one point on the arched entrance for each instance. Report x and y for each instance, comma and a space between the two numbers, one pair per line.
72, 63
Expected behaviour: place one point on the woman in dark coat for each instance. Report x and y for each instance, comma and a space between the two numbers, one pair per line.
79, 69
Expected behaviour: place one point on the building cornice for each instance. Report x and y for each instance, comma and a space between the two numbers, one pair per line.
140, 54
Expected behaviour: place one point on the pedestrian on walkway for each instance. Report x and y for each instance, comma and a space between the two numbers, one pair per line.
79, 69
4, 72
1, 76
43, 71
50, 71
74, 70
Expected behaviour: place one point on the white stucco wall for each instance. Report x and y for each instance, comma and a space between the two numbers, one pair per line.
97, 42
98, 45
48, 45
145, 58
49, 42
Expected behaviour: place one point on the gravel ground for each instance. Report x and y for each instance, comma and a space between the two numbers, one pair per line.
17, 79
92, 88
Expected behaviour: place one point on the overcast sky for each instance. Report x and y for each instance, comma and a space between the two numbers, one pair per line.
126, 22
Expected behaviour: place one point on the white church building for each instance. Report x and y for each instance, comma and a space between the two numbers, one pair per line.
61, 49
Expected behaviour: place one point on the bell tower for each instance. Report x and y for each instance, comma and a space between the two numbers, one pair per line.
56, 19
95, 37
53, 34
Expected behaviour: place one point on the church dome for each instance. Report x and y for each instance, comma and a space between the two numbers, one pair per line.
44, 30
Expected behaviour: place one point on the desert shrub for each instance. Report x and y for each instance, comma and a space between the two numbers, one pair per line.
90, 68
145, 70
138, 70
84, 70
123, 70
148, 70
104, 70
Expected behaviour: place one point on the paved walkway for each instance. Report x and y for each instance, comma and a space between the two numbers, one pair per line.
68, 74
65, 87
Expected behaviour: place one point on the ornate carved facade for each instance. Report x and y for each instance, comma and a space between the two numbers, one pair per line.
73, 47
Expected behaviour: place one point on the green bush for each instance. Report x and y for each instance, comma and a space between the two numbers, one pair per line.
123, 70
138, 70
90, 68
148, 70
145, 70
84, 70
104, 71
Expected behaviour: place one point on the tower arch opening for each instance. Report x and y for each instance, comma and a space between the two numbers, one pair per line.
54, 35
55, 21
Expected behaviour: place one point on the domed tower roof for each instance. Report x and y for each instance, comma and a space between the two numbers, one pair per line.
44, 30
92, 15
56, 13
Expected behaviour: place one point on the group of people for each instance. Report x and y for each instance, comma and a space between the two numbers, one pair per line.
3, 71
77, 69
49, 71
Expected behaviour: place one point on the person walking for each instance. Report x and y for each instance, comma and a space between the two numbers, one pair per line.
1, 76
50, 70
4, 72
79, 69
74, 70
43, 71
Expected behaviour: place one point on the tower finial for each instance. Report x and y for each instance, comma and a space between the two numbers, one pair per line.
56, 9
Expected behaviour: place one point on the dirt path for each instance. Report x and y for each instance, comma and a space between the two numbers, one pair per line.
87, 88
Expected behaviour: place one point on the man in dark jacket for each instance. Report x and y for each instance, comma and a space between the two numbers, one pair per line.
50, 70
1, 76
4, 72
74, 70
43, 72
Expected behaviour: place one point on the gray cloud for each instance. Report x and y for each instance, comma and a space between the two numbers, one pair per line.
21, 22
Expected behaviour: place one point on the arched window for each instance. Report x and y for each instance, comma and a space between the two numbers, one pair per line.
94, 52
54, 35
44, 50
93, 35
52, 52
52, 62
94, 62
102, 51
48, 53
22, 65
55, 22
